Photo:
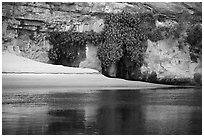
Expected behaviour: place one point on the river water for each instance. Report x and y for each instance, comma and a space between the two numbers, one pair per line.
107, 112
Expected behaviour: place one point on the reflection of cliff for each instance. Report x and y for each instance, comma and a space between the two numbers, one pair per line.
101, 113
157, 111
172, 119
66, 122
128, 112
24, 120
123, 119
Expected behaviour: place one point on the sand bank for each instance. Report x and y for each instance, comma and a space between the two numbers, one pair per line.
72, 81
22, 72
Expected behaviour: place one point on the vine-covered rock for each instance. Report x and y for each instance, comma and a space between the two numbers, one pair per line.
125, 34
67, 47
155, 42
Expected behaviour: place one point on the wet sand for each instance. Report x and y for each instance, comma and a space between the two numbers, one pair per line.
73, 81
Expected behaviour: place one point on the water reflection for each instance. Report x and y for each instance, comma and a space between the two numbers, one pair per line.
160, 111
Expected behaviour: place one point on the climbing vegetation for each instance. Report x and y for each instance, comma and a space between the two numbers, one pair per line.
125, 34
66, 45
195, 40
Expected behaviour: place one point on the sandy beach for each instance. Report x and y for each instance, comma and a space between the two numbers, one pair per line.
15, 64
23, 72
97, 81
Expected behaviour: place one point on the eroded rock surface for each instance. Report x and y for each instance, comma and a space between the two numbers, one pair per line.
26, 24
91, 60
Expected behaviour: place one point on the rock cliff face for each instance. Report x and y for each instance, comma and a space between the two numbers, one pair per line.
168, 61
25, 26
91, 60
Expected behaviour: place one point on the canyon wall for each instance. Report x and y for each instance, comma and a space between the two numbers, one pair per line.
25, 26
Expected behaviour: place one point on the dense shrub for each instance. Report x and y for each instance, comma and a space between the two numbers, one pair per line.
195, 40
125, 33
152, 77
94, 38
109, 53
54, 54
65, 45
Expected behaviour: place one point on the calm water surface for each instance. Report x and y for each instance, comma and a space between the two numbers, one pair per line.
82, 111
